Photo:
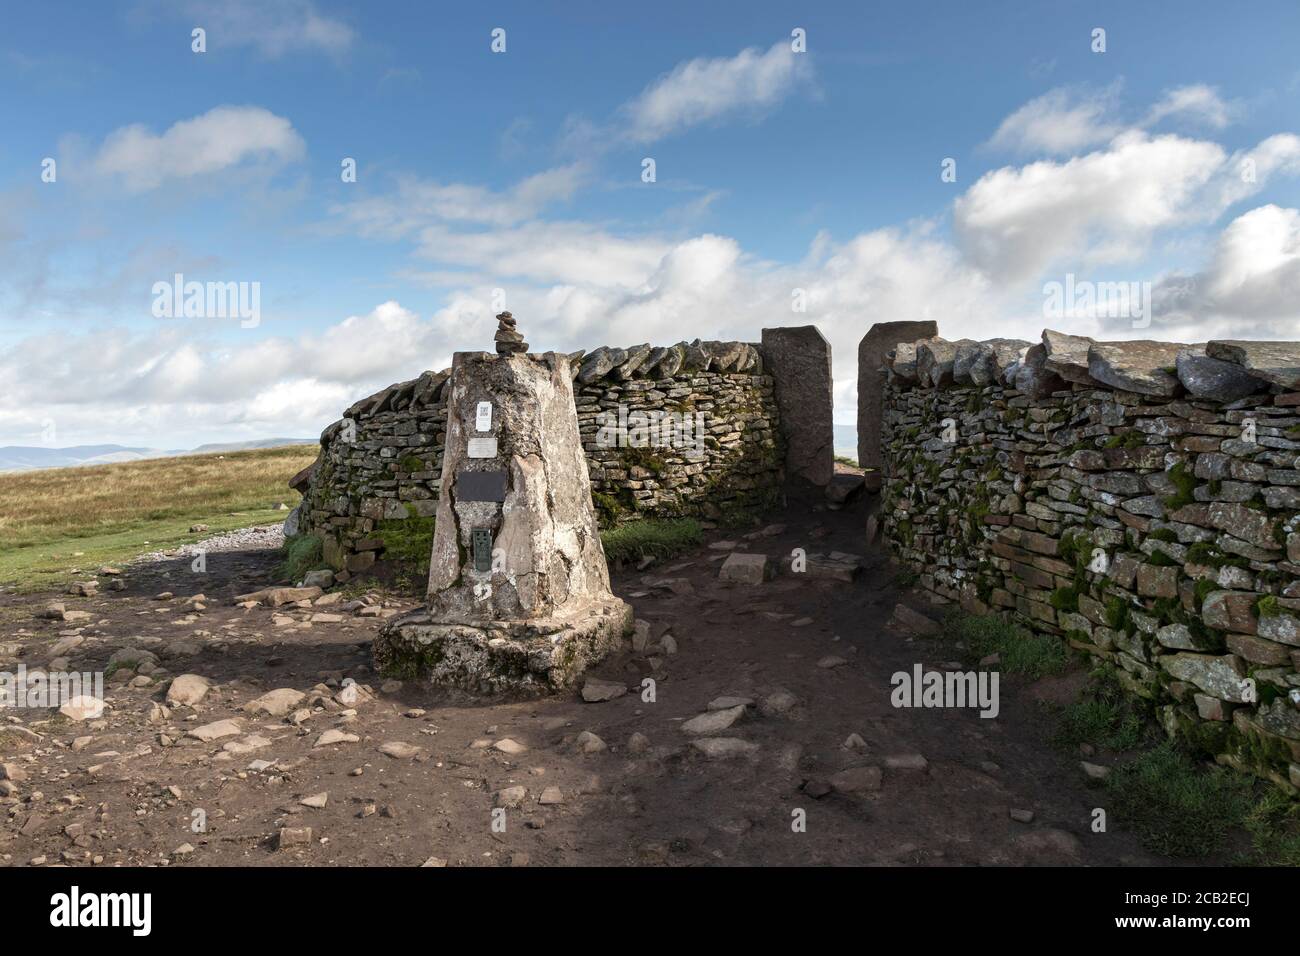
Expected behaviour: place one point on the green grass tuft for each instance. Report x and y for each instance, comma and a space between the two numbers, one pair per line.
300, 554
1104, 716
1274, 826
1020, 651
651, 537
1176, 807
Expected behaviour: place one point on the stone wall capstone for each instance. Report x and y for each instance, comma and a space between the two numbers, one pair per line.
690, 429
1139, 500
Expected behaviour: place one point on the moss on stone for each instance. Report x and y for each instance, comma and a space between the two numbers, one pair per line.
1185, 482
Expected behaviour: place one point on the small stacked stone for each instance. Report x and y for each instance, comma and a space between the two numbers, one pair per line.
509, 339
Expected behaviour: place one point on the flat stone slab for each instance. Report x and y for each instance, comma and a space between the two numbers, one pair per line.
1276, 362
745, 568
856, 780
335, 736
836, 566
398, 749
1138, 366
216, 730
726, 703
276, 597
596, 690
724, 748
275, 703
713, 721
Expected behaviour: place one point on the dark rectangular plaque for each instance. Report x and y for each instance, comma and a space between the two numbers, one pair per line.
481, 486
481, 539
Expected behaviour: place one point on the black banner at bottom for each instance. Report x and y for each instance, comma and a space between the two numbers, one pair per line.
144, 906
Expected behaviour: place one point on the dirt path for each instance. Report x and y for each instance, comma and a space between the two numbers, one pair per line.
125, 789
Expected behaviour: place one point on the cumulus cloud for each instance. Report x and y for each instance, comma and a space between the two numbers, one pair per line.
112, 382
218, 139
1250, 286
576, 284
705, 90
1105, 206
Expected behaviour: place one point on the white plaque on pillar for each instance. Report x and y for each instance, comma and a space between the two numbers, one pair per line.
482, 447
483, 417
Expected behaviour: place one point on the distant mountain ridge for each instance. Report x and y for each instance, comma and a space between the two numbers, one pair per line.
33, 458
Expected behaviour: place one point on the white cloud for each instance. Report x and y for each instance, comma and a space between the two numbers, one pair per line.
1247, 170
1060, 121
707, 89
1104, 207
273, 27
217, 140
418, 202
578, 284
1068, 119
113, 384
546, 252
1250, 286
1196, 102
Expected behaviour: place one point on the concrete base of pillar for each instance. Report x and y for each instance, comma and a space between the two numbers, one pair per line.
536, 656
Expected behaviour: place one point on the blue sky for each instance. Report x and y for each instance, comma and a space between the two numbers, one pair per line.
519, 174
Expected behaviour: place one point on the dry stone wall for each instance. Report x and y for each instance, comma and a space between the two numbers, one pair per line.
1139, 500
689, 429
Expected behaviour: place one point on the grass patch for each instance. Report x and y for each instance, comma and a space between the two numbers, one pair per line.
651, 537
112, 513
1176, 807
1274, 827
300, 554
1019, 650
1104, 716
846, 460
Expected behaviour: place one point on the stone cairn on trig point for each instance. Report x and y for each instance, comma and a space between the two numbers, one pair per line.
509, 339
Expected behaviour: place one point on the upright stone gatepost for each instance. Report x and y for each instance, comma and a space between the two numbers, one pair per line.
880, 338
799, 361
519, 596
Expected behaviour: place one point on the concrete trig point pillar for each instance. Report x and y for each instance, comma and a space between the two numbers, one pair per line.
519, 596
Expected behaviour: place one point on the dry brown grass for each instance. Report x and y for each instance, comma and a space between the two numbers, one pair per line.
105, 511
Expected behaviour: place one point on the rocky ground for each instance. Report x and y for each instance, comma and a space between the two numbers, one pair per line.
280, 746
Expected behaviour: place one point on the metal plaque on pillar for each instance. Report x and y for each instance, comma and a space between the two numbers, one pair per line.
480, 485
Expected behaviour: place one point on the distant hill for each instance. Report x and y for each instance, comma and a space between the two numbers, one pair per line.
26, 458
247, 445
